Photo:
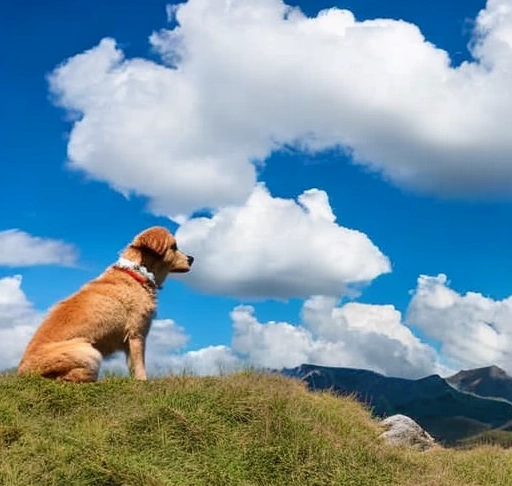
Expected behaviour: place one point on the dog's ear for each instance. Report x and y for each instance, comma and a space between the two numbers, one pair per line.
157, 239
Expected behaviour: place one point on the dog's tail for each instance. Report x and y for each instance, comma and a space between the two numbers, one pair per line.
72, 360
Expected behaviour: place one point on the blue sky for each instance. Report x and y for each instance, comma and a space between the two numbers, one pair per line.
343, 182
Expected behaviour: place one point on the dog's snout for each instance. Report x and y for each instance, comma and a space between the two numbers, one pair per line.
190, 260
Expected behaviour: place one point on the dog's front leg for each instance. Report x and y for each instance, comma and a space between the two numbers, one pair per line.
136, 351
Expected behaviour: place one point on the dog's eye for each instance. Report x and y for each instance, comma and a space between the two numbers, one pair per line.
174, 247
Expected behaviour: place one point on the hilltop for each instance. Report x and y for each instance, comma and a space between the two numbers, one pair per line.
246, 429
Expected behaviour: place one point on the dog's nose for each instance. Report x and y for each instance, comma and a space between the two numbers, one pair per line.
190, 260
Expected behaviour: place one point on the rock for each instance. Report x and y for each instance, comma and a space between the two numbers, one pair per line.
404, 431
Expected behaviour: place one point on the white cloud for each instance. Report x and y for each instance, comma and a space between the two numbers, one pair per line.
18, 321
245, 77
143, 132
353, 335
279, 248
473, 330
274, 344
165, 355
212, 360
19, 249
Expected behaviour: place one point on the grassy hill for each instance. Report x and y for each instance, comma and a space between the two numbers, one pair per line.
247, 429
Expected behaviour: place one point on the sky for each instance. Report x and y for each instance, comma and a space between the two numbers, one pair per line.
340, 170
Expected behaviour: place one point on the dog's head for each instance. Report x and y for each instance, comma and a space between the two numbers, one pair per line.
159, 251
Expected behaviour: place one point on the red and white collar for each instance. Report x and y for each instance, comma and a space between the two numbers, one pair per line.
138, 272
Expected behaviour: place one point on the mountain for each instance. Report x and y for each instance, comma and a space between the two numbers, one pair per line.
490, 381
447, 413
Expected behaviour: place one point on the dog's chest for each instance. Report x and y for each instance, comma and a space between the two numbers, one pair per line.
131, 317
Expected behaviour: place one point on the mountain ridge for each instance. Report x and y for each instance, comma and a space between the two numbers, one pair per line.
489, 381
450, 409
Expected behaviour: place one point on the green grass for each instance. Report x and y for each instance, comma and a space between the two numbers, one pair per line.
246, 429
501, 438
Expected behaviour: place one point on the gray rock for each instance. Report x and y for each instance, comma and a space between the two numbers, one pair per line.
404, 431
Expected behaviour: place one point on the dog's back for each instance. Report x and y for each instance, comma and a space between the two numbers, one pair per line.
88, 325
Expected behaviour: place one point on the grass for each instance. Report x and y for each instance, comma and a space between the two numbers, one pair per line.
501, 438
246, 429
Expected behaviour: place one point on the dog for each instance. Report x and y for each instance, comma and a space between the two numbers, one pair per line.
111, 313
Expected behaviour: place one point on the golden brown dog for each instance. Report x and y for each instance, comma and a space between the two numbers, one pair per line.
111, 313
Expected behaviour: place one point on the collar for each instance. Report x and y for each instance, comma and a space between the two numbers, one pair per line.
138, 272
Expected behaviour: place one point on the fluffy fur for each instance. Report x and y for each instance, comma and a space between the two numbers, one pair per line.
111, 313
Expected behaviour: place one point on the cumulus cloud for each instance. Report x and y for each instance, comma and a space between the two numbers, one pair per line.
274, 344
165, 338
165, 354
19, 249
212, 360
18, 321
138, 118
279, 248
472, 329
353, 335
240, 79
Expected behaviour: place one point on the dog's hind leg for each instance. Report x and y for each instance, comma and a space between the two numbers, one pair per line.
80, 375
73, 360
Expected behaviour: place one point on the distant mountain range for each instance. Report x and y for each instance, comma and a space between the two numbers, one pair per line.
490, 382
452, 409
